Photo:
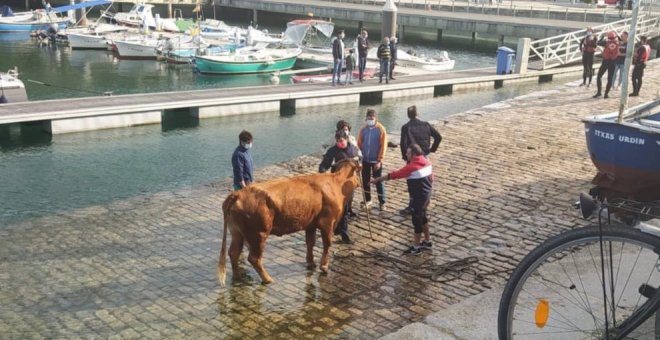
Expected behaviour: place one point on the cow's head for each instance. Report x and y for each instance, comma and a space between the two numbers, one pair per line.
348, 171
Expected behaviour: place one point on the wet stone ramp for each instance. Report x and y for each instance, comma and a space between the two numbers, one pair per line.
144, 267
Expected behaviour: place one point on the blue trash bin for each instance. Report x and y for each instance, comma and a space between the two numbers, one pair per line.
505, 60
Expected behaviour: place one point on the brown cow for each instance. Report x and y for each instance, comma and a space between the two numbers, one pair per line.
284, 206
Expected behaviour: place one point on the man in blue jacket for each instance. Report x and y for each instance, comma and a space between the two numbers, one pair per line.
241, 161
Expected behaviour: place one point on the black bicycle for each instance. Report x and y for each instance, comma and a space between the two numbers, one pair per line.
597, 282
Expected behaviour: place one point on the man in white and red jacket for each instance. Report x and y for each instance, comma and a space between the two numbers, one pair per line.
419, 175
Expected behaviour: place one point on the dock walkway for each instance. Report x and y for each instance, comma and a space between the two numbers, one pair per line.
90, 113
145, 267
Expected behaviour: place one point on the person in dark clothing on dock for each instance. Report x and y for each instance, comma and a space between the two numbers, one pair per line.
340, 151
419, 175
394, 46
588, 47
338, 57
640, 57
610, 52
241, 161
419, 132
363, 50
384, 55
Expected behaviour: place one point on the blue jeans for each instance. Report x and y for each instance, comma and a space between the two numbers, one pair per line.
362, 64
384, 70
336, 71
618, 69
369, 171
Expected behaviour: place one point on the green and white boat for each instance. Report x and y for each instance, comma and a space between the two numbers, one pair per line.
249, 60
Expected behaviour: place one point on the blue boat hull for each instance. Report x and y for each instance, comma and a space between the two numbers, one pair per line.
627, 157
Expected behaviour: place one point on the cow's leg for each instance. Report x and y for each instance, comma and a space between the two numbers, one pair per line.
257, 245
326, 236
310, 240
235, 250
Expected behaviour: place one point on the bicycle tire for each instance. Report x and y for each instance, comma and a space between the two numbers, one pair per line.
564, 248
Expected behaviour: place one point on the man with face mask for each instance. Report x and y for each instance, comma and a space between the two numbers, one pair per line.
340, 151
372, 141
241, 161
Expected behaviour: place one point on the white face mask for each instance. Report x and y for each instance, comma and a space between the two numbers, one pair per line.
247, 146
371, 122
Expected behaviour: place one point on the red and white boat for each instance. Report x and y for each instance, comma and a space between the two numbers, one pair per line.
327, 77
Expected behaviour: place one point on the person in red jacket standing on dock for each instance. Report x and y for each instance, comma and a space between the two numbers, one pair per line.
610, 52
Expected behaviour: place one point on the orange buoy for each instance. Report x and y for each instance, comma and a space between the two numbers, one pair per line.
542, 313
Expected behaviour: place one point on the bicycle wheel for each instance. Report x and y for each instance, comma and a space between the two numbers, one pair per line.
558, 290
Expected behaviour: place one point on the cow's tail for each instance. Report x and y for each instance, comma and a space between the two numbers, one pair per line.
222, 261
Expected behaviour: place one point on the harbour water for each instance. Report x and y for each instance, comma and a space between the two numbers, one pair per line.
81, 73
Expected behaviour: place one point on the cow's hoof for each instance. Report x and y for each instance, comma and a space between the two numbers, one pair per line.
311, 265
266, 281
324, 269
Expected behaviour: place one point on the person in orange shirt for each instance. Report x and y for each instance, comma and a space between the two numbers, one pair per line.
372, 141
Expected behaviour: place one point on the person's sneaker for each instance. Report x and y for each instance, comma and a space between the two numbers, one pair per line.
382, 206
633, 94
405, 211
413, 250
597, 95
605, 96
425, 245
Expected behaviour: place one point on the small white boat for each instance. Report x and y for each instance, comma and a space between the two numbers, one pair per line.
93, 37
405, 59
311, 35
137, 47
140, 15
12, 89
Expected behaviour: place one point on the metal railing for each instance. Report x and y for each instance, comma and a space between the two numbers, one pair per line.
565, 49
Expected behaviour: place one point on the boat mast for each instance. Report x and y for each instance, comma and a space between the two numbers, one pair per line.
623, 104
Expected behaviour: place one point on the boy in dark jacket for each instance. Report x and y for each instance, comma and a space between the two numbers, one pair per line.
350, 65
241, 161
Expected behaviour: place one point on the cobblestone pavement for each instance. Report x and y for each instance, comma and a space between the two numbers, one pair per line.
145, 267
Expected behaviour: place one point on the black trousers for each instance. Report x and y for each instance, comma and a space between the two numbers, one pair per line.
637, 74
587, 67
607, 65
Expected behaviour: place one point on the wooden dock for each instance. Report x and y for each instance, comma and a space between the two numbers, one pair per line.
93, 113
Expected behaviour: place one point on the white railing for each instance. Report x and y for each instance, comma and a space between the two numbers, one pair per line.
565, 49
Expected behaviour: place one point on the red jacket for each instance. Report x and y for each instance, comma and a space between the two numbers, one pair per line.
611, 49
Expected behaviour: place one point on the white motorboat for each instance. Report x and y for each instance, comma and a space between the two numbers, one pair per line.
311, 35
93, 37
441, 62
12, 89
